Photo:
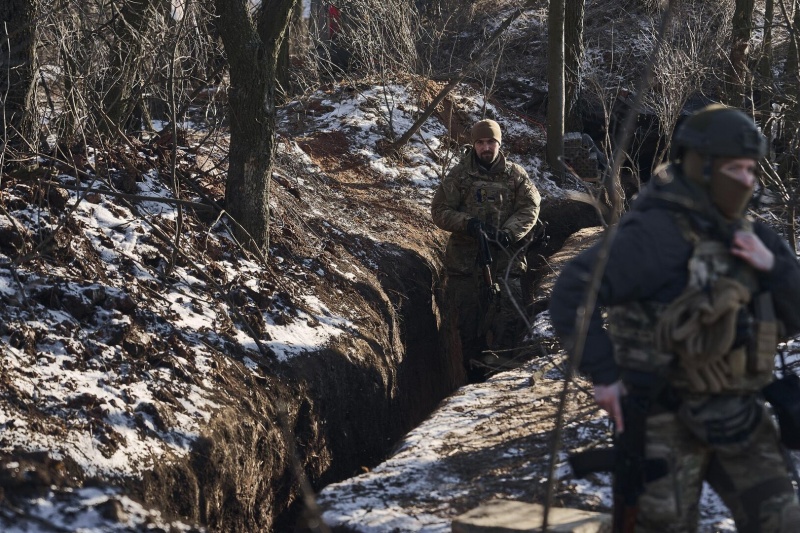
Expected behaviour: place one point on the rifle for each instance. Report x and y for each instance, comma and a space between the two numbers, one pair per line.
626, 461
485, 260
490, 290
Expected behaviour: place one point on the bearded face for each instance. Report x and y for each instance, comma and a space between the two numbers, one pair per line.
487, 150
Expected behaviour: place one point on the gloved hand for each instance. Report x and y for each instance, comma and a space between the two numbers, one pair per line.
504, 238
474, 228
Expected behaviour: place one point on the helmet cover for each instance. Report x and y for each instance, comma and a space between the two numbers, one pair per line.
719, 131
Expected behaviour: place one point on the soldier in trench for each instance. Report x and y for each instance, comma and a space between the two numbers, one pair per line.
697, 297
487, 200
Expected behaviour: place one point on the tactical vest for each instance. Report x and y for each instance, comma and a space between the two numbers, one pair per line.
741, 344
491, 200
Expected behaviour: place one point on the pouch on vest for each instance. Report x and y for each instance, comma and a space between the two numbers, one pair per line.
632, 331
700, 328
767, 330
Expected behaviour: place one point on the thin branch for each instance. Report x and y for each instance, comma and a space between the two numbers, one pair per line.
455, 81
585, 311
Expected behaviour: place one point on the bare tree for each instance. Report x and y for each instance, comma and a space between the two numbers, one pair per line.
365, 37
738, 75
252, 42
681, 69
17, 68
131, 46
478, 55
283, 69
789, 160
763, 84
573, 72
555, 86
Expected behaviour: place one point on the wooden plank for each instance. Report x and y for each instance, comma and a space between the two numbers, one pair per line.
508, 516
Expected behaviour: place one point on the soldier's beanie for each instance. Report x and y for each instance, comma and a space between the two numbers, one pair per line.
486, 129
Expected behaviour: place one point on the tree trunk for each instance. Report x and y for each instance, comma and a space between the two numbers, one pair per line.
573, 75
791, 168
790, 72
763, 87
252, 50
294, 44
738, 78
17, 69
282, 80
555, 88
128, 53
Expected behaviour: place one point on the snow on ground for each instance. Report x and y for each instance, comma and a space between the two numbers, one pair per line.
420, 486
87, 510
104, 411
504, 420
488, 440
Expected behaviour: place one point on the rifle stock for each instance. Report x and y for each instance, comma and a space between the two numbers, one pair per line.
599, 460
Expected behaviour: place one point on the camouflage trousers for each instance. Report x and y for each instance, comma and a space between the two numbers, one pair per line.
476, 324
750, 476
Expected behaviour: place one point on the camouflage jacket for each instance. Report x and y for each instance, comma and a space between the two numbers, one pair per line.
502, 196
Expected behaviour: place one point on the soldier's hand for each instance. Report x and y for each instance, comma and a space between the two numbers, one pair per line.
474, 227
504, 239
608, 398
491, 231
748, 247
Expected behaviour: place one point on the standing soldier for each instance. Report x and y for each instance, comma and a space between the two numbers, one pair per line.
696, 297
488, 204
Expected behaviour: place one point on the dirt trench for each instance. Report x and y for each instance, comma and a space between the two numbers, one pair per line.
335, 412
366, 408
339, 410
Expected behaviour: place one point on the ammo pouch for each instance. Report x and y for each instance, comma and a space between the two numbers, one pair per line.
702, 328
765, 335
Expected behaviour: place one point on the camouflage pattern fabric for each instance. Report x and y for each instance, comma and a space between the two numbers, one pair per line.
503, 196
726, 439
749, 475
466, 321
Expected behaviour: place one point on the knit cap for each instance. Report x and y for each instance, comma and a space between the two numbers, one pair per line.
486, 129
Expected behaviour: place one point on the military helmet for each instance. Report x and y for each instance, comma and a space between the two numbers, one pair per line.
719, 131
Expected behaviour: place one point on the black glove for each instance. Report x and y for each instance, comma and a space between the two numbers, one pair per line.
474, 227
504, 239
491, 232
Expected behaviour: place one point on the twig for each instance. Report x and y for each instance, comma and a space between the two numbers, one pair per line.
584, 313
127, 196
455, 81
315, 522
